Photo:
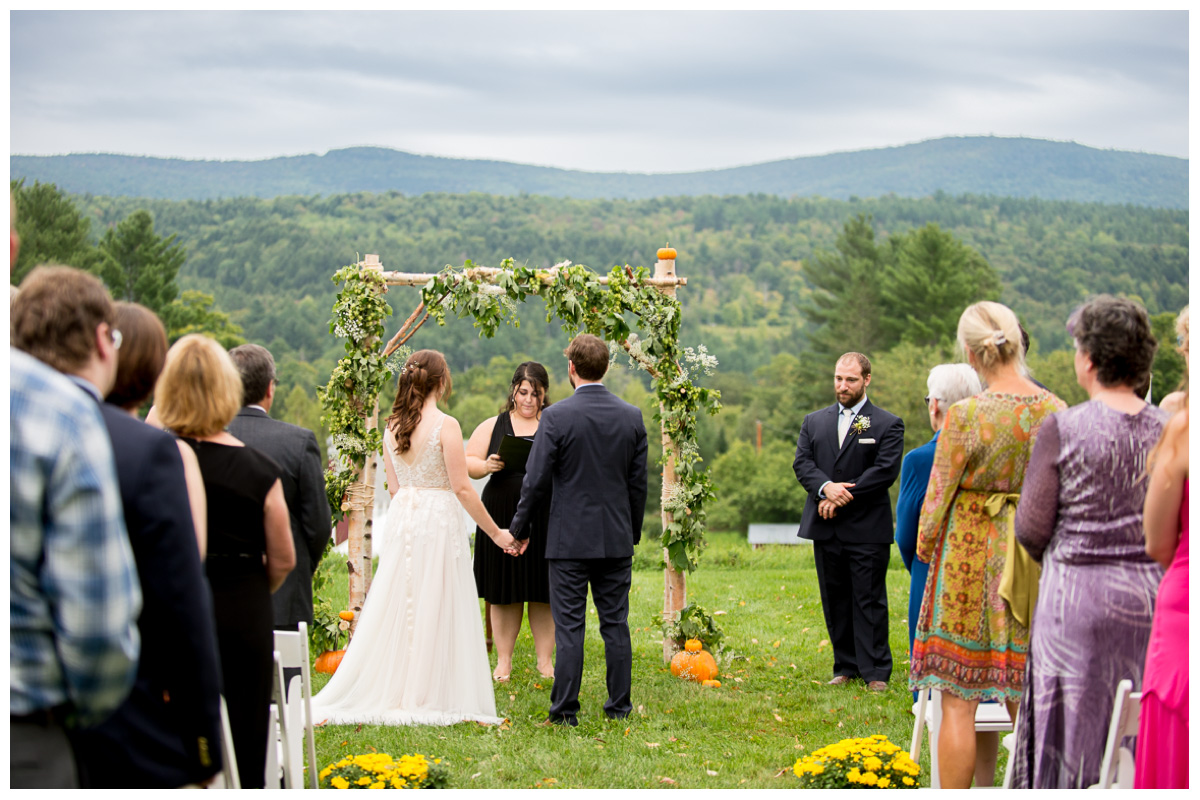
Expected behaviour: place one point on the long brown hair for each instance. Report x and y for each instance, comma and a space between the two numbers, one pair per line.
424, 372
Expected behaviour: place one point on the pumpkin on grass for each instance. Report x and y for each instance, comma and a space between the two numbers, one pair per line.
329, 661
693, 663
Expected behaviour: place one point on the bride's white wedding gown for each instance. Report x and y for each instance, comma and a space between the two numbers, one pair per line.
418, 654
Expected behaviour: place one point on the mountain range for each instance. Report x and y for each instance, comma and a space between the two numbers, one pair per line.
979, 165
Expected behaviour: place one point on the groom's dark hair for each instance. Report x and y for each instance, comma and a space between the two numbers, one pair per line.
589, 354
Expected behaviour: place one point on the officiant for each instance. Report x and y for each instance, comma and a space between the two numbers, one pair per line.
499, 447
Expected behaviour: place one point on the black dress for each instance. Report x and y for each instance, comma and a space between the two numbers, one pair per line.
236, 482
501, 578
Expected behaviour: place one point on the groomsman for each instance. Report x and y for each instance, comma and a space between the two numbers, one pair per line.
590, 450
295, 450
847, 457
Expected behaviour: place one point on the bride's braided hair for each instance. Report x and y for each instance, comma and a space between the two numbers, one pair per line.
425, 371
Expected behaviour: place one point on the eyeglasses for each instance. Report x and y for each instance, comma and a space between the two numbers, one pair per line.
115, 335
928, 397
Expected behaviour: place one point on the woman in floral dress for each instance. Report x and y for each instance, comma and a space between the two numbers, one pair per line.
973, 629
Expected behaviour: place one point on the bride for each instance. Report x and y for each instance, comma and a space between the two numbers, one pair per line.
418, 657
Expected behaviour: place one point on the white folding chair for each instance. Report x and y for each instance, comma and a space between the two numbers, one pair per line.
1117, 766
227, 778
292, 650
928, 713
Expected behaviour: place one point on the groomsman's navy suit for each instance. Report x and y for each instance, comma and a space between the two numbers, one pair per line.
853, 548
168, 732
590, 450
295, 450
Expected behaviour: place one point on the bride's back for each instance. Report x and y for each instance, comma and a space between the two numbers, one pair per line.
414, 427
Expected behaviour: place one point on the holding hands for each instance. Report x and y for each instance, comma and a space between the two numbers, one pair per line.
508, 544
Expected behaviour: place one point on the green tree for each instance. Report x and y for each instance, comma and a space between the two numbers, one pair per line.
138, 265
929, 279
51, 229
845, 303
193, 313
1169, 367
755, 486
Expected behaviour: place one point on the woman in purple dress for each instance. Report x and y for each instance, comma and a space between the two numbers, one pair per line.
1080, 515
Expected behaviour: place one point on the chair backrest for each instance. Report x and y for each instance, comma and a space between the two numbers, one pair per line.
227, 778
1117, 766
292, 649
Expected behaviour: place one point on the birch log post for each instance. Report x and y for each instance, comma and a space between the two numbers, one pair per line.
674, 582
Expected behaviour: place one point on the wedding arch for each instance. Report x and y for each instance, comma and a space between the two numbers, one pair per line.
582, 301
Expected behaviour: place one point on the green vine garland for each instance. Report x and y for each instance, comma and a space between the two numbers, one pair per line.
349, 396
575, 295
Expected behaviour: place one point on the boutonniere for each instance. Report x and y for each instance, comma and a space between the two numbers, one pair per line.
860, 424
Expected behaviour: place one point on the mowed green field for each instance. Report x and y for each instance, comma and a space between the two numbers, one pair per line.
773, 705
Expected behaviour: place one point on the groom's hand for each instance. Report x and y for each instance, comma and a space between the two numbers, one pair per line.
838, 493
523, 544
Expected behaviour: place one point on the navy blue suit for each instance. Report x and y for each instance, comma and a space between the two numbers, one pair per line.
852, 549
590, 451
167, 733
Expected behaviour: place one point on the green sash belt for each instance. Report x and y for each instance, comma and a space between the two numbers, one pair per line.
1019, 581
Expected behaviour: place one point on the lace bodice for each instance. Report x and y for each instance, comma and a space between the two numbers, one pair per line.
428, 471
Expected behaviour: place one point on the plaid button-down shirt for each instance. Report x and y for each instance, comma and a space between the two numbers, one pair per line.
73, 587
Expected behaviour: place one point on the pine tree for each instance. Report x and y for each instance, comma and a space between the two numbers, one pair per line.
139, 266
51, 229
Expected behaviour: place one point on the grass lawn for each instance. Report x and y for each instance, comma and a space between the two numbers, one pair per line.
773, 705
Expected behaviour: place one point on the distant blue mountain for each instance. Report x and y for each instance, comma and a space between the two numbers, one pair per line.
983, 165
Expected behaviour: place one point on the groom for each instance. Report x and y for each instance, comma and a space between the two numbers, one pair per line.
590, 452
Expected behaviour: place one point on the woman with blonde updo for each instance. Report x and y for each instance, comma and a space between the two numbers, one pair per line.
972, 632
418, 654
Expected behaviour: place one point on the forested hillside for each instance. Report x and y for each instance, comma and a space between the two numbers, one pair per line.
777, 288
1015, 167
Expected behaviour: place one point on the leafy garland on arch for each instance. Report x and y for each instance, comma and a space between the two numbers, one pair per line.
575, 295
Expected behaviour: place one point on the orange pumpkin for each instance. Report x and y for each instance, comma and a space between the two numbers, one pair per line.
694, 666
329, 661
693, 646
711, 684
666, 253
346, 615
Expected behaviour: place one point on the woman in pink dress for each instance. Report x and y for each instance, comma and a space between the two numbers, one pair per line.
1162, 745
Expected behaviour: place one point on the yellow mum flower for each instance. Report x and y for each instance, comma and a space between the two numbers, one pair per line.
907, 781
339, 783
377, 785
364, 781
884, 783
869, 778
872, 763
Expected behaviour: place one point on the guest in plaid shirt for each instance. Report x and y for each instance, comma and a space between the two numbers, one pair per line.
73, 595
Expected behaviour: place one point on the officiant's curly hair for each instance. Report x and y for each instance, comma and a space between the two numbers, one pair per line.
425, 371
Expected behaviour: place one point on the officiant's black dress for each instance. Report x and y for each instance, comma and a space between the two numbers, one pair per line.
501, 578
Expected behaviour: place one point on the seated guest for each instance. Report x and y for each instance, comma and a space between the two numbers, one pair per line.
166, 734
250, 549
1162, 748
143, 351
1080, 516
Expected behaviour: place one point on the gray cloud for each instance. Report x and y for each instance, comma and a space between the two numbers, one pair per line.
629, 91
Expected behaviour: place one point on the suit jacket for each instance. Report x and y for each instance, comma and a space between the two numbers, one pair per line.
295, 450
590, 452
870, 459
167, 733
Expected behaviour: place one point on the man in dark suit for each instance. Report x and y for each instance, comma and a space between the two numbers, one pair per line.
295, 450
167, 733
847, 457
590, 450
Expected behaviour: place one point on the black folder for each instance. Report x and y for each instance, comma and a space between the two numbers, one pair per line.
514, 451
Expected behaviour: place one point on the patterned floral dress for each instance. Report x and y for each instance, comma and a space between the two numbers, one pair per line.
967, 642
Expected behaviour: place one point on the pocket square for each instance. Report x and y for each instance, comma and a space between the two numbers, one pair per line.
866, 441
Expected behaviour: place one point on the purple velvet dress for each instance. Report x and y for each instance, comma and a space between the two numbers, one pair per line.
1080, 514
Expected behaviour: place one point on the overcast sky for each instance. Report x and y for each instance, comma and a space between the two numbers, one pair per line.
602, 91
